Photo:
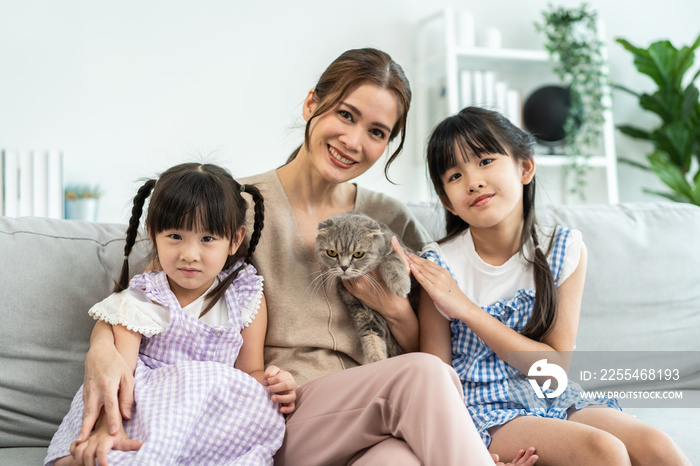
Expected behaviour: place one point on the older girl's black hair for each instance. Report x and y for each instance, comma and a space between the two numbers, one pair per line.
475, 132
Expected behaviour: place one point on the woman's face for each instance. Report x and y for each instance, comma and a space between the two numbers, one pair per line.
349, 138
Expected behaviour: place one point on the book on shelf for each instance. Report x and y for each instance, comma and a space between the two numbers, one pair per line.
489, 89
54, 184
32, 183
465, 89
483, 88
514, 107
10, 160
26, 203
479, 88
40, 195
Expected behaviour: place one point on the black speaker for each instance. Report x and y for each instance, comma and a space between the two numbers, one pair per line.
544, 114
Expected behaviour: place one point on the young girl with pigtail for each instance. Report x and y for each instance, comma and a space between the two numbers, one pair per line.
505, 291
192, 333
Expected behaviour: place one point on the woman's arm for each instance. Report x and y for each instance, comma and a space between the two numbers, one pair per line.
108, 383
127, 343
397, 311
499, 337
280, 384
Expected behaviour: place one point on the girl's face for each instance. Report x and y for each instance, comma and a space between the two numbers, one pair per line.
348, 139
488, 190
192, 259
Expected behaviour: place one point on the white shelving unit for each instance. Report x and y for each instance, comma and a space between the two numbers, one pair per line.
440, 59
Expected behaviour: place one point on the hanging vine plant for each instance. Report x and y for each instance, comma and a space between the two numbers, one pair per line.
574, 45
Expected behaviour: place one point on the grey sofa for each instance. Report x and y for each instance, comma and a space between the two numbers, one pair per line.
642, 295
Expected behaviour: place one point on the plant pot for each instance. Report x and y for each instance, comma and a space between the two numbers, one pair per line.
81, 209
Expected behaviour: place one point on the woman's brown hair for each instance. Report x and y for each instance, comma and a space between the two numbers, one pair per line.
358, 66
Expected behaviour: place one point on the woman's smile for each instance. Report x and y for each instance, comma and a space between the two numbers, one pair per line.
338, 157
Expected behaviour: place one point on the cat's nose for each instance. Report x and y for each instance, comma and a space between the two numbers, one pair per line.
343, 268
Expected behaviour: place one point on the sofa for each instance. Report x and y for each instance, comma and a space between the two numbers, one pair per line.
641, 300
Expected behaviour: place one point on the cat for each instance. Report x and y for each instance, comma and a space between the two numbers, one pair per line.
350, 246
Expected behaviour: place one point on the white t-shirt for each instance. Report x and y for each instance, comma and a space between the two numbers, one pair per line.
486, 284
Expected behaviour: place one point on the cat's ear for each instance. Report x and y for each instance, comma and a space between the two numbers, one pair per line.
326, 223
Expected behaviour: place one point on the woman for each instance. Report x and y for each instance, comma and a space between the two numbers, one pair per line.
405, 410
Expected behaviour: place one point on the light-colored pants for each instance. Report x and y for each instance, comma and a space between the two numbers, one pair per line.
406, 410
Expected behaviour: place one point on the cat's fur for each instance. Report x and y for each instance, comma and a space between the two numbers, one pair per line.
340, 240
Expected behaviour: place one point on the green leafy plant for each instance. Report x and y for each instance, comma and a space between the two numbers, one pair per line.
573, 42
82, 192
676, 139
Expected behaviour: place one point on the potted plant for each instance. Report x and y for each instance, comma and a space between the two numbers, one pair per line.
676, 138
573, 43
81, 202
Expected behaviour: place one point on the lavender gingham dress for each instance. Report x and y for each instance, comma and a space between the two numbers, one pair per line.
495, 392
191, 405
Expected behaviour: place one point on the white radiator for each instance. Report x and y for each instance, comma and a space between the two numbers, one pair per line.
32, 183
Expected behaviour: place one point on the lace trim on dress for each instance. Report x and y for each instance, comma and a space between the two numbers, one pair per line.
123, 309
245, 293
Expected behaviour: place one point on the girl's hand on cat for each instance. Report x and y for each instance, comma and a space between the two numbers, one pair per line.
282, 388
401, 253
440, 286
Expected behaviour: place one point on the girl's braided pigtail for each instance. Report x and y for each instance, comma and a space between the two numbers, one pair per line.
132, 231
258, 220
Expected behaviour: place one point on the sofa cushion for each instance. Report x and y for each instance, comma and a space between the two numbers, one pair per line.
647, 254
42, 351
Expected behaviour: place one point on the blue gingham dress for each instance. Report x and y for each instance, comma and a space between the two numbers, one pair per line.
191, 405
495, 392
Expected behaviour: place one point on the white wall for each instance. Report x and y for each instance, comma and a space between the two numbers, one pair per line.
127, 88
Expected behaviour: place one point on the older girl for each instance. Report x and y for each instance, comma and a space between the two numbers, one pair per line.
516, 293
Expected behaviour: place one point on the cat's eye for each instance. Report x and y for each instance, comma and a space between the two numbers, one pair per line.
358, 254
331, 253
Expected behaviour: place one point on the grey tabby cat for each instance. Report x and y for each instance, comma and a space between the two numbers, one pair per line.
350, 246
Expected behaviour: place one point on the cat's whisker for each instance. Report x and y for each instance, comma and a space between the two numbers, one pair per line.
369, 278
313, 286
320, 281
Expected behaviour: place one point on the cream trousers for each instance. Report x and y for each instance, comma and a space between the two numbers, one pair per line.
406, 410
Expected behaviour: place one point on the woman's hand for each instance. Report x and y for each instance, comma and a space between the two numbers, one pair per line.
108, 386
100, 443
282, 388
374, 294
373, 291
397, 310
440, 286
